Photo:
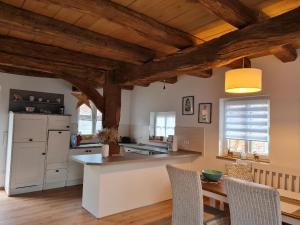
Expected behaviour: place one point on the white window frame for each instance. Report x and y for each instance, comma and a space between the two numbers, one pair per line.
94, 118
153, 124
223, 140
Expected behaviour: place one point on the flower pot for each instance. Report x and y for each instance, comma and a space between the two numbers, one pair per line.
105, 150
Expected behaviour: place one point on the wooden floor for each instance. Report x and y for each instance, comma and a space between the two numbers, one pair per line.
63, 207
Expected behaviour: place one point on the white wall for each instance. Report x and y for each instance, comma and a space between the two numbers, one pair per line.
281, 82
8, 82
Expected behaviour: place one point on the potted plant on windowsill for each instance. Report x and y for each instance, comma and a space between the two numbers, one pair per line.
108, 136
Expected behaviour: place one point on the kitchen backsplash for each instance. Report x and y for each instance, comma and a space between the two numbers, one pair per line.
189, 138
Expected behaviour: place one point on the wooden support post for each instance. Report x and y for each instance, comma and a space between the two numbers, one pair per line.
112, 108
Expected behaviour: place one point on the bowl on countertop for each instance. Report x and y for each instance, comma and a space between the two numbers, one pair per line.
29, 109
212, 175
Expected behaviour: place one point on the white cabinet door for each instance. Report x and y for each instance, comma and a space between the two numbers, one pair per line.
30, 128
28, 164
58, 122
58, 149
55, 178
75, 169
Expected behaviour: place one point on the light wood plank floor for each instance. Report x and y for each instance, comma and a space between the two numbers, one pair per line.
63, 207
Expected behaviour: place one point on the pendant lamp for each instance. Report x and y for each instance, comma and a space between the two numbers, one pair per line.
243, 80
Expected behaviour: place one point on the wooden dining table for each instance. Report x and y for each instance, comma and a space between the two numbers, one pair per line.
290, 201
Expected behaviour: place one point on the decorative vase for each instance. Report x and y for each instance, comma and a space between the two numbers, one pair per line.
105, 150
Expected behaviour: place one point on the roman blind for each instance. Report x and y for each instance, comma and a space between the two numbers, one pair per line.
247, 119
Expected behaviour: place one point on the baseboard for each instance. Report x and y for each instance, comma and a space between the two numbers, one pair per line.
74, 182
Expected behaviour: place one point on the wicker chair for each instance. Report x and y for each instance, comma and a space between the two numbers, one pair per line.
251, 203
188, 206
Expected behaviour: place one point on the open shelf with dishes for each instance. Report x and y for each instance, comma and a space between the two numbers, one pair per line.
36, 102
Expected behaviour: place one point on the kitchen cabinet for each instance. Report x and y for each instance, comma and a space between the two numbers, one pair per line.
56, 122
37, 157
55, 178
75, 169
29, 128
58, 149
28, 165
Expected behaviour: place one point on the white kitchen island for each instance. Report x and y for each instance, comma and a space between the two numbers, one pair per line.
120, 183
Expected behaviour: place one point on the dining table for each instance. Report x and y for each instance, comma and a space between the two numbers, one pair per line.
289, 201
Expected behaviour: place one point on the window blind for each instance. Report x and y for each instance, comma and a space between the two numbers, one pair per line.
247, 119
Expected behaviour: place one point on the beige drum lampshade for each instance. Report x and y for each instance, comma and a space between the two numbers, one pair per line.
244, 80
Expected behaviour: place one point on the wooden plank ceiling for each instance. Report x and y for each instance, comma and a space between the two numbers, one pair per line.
125, 34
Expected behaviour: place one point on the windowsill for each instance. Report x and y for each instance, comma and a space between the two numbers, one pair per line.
233, 158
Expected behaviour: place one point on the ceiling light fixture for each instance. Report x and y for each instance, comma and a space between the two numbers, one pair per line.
243, 80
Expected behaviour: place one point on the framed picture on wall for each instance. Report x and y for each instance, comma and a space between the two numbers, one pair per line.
188, 105
204, 112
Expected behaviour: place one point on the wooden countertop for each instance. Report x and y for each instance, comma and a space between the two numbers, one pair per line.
128, 157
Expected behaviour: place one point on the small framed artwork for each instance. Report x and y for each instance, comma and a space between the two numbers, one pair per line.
188, 105
204, 113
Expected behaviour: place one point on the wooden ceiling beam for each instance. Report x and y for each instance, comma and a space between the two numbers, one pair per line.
39, 74
135, 22
240, 63
171, 80
286, 53
221, 51
36, 73
201, 73
29, 23
233, 12
90, 91
239, 15
26, 72
31, 49
51, 67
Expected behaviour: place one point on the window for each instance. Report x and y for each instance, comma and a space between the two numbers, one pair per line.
89, 120
162, 124
245, 126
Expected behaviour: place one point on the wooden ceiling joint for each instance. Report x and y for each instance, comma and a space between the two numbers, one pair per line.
240, 63
239, 15
90, 91
249, 41
46, 66
285, 53
201, 73
29, 23
47, 52
135, 22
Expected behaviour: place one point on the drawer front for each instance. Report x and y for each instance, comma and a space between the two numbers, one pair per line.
56, 175
58, 122
85, 151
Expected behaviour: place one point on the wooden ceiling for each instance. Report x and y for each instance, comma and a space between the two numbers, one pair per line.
124, 35
185, 15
